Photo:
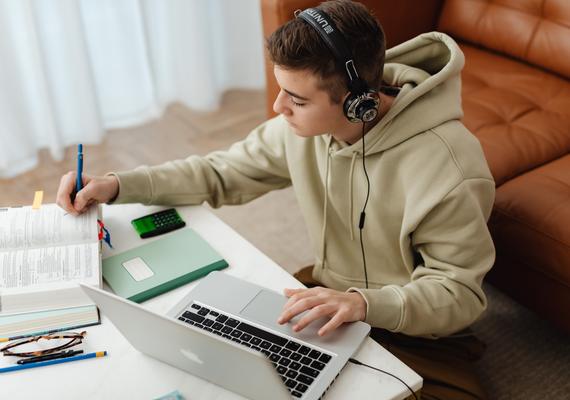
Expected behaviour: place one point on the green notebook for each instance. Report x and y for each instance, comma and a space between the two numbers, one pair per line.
161, 265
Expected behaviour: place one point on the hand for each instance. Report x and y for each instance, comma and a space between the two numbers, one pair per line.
98, 189
340, 306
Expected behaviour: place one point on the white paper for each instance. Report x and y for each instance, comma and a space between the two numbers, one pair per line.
24, 227
138, 269
35, 268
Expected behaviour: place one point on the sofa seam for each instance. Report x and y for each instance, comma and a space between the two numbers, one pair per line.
534, 30
504, 213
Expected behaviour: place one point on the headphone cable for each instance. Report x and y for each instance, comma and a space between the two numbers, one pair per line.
363, 212
355, 361
361, 227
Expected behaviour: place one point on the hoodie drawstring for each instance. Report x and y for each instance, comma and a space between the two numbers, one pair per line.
350, 200
325, 206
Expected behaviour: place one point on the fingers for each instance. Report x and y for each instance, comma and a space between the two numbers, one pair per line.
322, 310
341, 307
85, 197
95, 189
290, 292
295, 295
89, 203
298, 307
337, 320
66, 187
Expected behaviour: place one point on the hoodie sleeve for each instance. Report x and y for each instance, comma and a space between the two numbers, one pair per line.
245, 171
445, 293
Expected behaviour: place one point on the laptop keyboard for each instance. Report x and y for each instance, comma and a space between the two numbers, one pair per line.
298, 365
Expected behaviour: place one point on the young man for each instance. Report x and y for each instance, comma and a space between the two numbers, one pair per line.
414, 270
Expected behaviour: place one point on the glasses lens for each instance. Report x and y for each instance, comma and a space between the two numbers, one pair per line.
44, 344
41, 345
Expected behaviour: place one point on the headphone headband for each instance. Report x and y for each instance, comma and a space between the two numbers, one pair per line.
334, 40
361, 105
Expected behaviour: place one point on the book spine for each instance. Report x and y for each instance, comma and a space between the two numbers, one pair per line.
181, 280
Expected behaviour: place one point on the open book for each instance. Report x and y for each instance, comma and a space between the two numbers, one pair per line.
44, 253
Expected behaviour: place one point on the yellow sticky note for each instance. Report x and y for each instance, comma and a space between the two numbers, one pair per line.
38, 198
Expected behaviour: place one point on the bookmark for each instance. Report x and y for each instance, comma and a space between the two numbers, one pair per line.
104, 233
38, 198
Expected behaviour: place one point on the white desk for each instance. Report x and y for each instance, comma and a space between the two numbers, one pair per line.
127, 374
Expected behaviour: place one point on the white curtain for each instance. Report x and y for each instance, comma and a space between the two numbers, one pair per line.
70, 69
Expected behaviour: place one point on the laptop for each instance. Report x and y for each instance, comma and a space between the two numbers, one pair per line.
225, 327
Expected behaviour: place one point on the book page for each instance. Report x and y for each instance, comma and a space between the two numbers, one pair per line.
36, 322
25, 228
34, 269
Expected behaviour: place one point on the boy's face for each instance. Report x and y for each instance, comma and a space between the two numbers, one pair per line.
307, 108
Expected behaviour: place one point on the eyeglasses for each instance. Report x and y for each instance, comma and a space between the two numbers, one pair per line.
44, 344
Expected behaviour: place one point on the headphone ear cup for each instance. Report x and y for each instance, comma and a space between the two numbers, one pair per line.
349, 106
367, 109
361, 108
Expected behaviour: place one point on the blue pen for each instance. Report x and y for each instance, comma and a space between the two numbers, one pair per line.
79, 179
52, 362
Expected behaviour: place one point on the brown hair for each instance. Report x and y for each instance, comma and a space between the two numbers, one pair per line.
297, 46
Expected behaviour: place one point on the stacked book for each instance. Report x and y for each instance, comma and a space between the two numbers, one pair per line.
44, 254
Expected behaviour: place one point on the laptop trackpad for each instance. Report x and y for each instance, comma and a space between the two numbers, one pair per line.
265, 307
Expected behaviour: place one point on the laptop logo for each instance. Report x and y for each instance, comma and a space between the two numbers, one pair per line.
191, 356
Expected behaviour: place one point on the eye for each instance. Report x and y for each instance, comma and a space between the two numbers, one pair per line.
297, 104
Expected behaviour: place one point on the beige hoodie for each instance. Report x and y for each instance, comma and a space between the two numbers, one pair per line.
426, 239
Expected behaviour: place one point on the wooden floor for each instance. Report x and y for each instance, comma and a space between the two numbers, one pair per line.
179, 133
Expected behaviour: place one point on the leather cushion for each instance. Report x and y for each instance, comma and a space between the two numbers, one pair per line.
530, 219
520, 114
536, 31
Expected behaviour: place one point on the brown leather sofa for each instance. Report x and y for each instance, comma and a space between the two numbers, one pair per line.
516, 99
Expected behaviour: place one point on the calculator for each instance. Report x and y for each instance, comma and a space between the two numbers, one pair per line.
158, 223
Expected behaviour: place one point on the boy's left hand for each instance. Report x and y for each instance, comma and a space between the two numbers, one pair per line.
340, 306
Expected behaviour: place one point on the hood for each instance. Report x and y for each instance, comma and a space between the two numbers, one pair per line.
427, 68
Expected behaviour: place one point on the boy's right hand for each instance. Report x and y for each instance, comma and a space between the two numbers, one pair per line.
97, 189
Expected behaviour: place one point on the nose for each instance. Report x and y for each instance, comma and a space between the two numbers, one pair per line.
279, 105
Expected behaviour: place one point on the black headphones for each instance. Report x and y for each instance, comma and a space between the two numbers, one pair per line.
362, 103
